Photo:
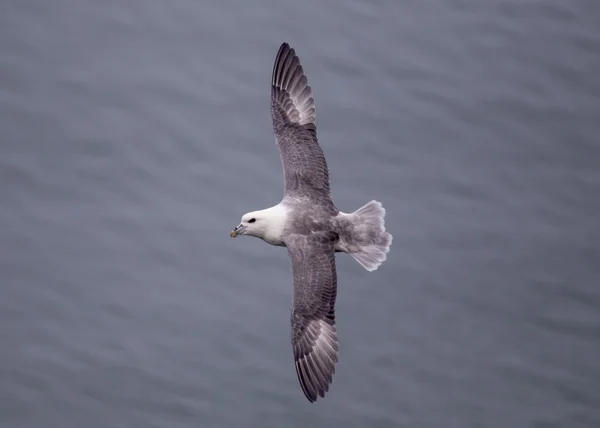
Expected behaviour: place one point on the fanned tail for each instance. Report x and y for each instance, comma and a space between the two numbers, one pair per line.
372, 241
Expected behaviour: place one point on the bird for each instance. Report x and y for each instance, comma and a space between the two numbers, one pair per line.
307, 222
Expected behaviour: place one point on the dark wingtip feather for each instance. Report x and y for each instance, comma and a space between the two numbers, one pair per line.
305, 383
290, 89
282, 53
315, 363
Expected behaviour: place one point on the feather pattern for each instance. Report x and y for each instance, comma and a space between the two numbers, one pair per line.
314, 336
309, 224
306, 174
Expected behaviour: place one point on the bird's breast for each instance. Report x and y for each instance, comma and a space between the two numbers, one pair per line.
273, 239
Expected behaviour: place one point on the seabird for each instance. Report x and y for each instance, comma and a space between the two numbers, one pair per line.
309, 225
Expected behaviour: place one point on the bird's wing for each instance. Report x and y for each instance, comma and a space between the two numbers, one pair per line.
314, 336
293, 112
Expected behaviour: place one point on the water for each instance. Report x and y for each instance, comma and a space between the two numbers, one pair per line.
135, 133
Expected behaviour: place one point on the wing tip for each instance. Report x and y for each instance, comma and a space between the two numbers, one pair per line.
288, 79
316, 367
312, 388
284, 65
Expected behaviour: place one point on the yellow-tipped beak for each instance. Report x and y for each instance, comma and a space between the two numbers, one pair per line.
238, 230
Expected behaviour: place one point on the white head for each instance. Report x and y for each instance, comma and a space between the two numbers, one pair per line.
252, 224
265, 224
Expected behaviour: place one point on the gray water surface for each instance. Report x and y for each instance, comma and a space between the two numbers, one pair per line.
135, 133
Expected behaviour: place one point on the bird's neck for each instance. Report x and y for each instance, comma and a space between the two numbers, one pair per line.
274, 225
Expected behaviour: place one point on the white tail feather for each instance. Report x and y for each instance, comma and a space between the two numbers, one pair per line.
373, 241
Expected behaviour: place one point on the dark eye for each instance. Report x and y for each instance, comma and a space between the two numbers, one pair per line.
252, 220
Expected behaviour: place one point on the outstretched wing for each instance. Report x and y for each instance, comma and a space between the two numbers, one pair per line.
314, 336
293, 112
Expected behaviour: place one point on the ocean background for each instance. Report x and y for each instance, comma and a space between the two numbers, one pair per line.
134, 134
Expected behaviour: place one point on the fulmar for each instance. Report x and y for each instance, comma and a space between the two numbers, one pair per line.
309, 225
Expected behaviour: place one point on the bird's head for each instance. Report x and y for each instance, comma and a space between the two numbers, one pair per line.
267, 225
252, 224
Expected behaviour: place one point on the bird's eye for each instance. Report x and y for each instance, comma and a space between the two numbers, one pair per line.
252, 220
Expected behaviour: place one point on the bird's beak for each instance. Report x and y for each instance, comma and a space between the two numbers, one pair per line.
238, 230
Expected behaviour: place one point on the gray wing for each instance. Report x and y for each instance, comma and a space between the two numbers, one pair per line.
293, 112
314, 336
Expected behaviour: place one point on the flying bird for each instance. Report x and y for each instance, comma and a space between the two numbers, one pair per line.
309, 225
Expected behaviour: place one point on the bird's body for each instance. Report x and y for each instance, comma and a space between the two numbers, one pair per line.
310, 226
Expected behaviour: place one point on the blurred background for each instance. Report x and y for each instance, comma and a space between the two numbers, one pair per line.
135, 133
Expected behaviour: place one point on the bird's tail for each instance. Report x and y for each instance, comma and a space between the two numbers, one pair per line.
369, 235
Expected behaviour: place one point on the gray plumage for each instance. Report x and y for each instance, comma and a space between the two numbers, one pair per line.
293, 111
308, 223
306, 188
311, 237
